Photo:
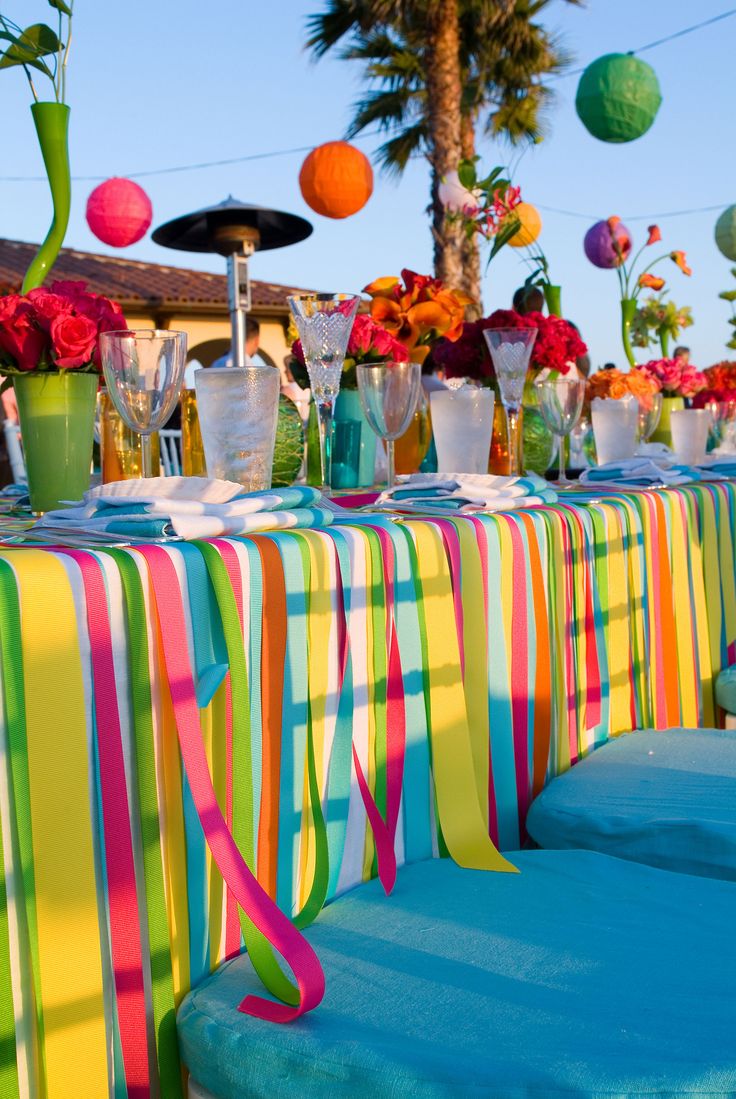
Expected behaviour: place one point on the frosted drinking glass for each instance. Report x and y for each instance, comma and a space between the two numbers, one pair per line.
690, 427
238, 410
462, 423
615, 427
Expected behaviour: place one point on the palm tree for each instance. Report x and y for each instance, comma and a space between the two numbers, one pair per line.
502, 55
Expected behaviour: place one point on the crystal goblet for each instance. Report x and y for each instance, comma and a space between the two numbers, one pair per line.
144, 372
324, 323
389, 393
561, 402
511, 350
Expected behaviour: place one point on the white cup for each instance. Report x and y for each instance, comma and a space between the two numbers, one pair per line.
462, 423
615, 427
689, 427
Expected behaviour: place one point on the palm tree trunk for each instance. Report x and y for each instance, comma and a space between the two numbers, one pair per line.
471, 283
444, 91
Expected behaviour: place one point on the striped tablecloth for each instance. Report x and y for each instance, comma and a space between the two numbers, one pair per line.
329, 704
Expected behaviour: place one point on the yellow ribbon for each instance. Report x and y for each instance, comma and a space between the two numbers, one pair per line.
460, 814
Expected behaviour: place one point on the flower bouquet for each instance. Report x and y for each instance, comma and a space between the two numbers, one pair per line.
673, 377
660, 320
608, 244
49, 352
418, 311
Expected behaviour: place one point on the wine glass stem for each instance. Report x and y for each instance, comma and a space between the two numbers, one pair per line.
324, 413
146, 456
391, 480
512, 417
562, 479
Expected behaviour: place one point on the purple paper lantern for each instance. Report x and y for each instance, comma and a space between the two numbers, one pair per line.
598, 243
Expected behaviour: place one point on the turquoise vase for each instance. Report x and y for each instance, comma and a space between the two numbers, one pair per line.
348, 407
52, 127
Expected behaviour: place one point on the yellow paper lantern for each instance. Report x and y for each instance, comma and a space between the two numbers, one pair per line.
530, 228
336, 179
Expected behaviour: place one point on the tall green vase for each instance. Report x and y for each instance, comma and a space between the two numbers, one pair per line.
553, 298
57, 420
52, 127
628, 312
663, 434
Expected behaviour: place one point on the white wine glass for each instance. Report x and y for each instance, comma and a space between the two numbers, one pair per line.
511, 350
561, 402
324, 323
144, 371
389, 393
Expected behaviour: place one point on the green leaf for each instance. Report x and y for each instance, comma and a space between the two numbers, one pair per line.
728, 295
466, 174
61, 6
34, 43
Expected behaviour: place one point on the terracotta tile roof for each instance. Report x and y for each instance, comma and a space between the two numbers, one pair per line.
132, 283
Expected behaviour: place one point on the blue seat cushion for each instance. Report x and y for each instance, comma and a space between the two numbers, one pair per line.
726, 690
664, 798
583, 975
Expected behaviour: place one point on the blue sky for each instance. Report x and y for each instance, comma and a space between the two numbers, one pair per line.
164, 83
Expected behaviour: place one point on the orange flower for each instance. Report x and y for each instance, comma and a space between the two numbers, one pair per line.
679, 259
654, 235
614, 385
651, 282
419, 311
612, 223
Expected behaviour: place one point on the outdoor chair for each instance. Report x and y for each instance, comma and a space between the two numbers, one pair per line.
582, 975
170, 452
666, 798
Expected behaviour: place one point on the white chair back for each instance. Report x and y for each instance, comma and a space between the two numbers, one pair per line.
170, 448
15, 452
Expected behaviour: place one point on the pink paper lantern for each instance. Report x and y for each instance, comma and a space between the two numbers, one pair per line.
119, 212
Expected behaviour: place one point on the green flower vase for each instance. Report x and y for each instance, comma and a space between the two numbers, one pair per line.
663, 434
553, 298
538, 444
52, 126
57, 420
628, 312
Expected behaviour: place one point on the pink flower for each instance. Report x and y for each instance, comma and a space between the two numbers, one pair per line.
361, 336
69, 288
21, 340
47, 305
298, 352
73, 340
692, 381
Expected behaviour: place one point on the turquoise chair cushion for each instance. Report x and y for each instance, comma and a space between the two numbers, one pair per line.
726, 690
581, 976
664, 798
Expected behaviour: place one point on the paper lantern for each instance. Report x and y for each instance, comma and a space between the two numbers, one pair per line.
531, 225
598, 244
119, 212
336, 179
618, 97
726, 233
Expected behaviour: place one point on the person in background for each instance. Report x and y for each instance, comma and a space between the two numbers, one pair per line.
528, 299
252, 343
682, 355
608, 366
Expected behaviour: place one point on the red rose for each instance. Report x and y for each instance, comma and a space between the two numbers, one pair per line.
22, 343
69, 288
73, 341
47, 305
361, 336
298, 352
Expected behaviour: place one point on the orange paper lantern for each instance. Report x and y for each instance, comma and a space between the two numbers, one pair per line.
530, 228
336, 179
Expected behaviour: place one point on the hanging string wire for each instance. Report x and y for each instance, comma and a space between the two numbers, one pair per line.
372, 133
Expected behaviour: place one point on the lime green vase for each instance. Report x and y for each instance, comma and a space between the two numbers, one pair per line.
57, 420
663, 434
52, 127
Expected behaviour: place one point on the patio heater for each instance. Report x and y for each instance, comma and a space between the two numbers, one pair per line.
235, 230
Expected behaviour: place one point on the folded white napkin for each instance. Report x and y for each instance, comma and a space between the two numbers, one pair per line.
206, 490
464, 492
638, 471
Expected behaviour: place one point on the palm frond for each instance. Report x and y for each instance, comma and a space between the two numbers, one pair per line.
394, 155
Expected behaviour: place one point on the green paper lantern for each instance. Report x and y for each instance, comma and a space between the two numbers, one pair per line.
618, 97
726, 233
